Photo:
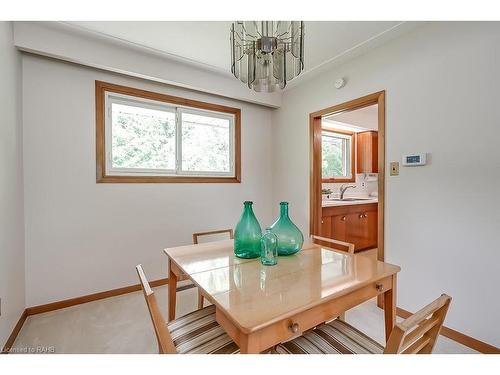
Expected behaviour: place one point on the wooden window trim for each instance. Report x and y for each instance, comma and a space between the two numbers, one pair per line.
102, 87
353, 157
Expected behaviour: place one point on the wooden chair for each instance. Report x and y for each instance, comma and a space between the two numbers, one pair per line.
345, 246
195, 241
336, 244
195, 333
415, 335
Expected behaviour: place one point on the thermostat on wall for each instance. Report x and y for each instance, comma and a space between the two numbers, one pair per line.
414, 160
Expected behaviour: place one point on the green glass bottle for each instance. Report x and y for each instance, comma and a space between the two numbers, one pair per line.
247, 234
290, 238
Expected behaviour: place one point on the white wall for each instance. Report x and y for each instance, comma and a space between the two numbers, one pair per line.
11, 186
442, 220
83, 237
365, 185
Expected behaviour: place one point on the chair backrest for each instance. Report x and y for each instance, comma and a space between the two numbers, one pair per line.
418, 333
211, 233
165, 342
345, 246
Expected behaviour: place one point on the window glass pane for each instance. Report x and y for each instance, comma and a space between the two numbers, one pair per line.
142, 137
336, 154
205, 143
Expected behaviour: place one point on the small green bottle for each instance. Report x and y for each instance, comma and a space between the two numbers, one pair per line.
247, 234
269, 248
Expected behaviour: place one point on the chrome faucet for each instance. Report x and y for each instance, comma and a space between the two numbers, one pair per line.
343, 188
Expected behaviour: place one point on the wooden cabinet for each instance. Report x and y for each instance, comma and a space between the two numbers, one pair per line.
326, 227
356, 224
367, 152
371, 218
362, 229
339, 227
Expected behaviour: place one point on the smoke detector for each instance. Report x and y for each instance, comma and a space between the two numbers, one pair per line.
339, 83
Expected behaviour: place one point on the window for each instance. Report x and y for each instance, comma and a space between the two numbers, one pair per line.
148, 137
337, 150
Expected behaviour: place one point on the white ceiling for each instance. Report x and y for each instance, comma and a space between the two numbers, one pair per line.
362, 118
207, 42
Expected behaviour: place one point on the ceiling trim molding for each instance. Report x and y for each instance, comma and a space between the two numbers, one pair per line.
60, 41
152, 50
355, 51
78, 44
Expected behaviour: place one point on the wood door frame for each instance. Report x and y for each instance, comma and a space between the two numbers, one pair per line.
315, 161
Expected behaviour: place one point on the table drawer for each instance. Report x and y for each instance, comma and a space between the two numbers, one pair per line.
303, 321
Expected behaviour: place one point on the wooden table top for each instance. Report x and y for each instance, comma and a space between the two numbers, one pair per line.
254, 296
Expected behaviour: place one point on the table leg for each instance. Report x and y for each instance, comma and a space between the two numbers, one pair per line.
172, 291
248, 345
390, 308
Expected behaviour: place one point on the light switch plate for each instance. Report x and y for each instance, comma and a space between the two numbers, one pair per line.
394, 168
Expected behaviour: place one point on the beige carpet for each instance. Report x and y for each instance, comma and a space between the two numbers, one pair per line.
122, 325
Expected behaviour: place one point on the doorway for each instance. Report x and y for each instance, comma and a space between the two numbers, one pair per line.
346, 170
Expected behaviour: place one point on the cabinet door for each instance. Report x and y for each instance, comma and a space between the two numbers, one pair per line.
367, 152
371, 223
339, 227
362, 230
325, 229
356, 231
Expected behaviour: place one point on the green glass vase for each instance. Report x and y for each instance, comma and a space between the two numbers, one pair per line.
247, 234
290, 238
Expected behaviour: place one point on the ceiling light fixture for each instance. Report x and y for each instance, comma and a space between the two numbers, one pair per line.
267, 54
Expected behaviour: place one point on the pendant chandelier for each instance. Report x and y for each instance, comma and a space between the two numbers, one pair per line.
267, 54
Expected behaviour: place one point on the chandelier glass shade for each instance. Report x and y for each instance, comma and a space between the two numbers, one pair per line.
267, 54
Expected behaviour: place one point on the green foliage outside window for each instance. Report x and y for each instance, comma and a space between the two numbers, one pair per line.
144, 138
332, 150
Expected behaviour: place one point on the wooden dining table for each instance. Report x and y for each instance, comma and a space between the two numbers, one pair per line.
260, 306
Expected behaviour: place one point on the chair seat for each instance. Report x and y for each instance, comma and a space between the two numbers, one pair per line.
199, 333
335, 337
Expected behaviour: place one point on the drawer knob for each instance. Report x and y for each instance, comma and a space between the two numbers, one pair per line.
294, 327
379, 287
343, 218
